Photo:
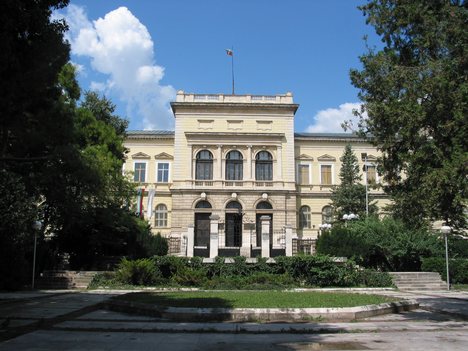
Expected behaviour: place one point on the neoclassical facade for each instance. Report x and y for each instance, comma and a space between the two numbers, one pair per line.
234, 179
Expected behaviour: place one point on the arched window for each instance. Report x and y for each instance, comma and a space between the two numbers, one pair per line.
160, 220
203, 204
234, 165
263, 166
204, 165
304, 217
264, 205
234, 205
327, 214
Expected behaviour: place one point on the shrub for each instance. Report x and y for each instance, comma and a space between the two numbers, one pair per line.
170, 265
458, 268
152, 245
375, 279
190, 277
386, 244
138, 272
341, 242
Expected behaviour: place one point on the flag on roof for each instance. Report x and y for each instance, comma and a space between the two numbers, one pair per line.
229, 52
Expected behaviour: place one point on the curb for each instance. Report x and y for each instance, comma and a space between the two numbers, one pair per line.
181, 314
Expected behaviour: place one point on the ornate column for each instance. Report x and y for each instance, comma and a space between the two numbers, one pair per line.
279, 159
219, 157
190, 240
214, 233
288, 240
249, 162
266, 222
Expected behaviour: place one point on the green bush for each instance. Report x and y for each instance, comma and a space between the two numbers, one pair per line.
170, 265
190, 277
138, 272
374, 279
306, 270
386, 244
458, 268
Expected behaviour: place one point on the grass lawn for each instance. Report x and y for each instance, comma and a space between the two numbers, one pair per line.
259, 299
463, 287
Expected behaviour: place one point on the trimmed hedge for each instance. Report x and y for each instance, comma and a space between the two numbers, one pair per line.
306, 270
458, 268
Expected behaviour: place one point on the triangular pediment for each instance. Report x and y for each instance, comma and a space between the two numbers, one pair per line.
326, 157
141, 155
304, 157
163, 156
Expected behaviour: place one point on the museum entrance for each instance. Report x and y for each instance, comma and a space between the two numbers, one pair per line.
233, 224
202, 229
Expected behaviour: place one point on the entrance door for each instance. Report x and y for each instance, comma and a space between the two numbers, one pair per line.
259, 228
202, 229
233, 230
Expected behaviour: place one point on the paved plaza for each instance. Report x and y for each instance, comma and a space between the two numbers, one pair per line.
57, 320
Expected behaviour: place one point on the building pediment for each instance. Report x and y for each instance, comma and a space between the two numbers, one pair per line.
304, 157
327, 158
163, 156
141, 155
371, 158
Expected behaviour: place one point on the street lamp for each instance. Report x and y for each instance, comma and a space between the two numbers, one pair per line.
446, 231
364, 158
349, 217
325, 226
36, 226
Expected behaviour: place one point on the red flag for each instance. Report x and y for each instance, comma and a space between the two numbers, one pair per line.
229, 52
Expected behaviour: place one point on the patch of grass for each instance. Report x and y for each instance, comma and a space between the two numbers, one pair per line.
462, 287
254, 299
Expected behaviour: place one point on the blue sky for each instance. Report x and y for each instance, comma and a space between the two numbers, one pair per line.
140, 52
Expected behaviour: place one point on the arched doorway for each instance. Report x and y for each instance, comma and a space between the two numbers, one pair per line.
263, 208
202, 229
233, 224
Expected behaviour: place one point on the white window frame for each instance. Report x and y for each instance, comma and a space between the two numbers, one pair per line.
146, 169
298, 175
332, 173
156, 219
168, 171
369, 164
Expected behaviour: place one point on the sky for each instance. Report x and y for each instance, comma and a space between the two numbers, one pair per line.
139, 53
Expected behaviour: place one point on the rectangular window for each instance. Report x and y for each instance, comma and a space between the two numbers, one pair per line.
140, 172
371, 175
326, 174
263, 171
303, 176
204, 170
163, 172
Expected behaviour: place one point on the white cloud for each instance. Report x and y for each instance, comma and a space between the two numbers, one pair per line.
120, 46
330, 120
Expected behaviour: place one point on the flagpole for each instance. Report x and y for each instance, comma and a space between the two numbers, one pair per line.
232, 68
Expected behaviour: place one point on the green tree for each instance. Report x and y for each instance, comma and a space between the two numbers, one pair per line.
414, 91
350, 195
34, 130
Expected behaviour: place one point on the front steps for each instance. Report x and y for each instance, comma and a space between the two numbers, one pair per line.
418, 281
65, 279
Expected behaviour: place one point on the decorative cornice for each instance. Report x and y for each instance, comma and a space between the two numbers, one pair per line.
141, 155
163, 156
326, 157
304, 157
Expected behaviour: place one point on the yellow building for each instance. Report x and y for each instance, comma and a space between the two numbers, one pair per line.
234, 178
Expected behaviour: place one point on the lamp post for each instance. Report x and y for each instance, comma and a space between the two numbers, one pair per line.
446, 231
325, 226
349, 217
37, 226
364, 158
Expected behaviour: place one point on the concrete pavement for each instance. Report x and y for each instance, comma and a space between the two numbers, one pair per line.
73, 321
